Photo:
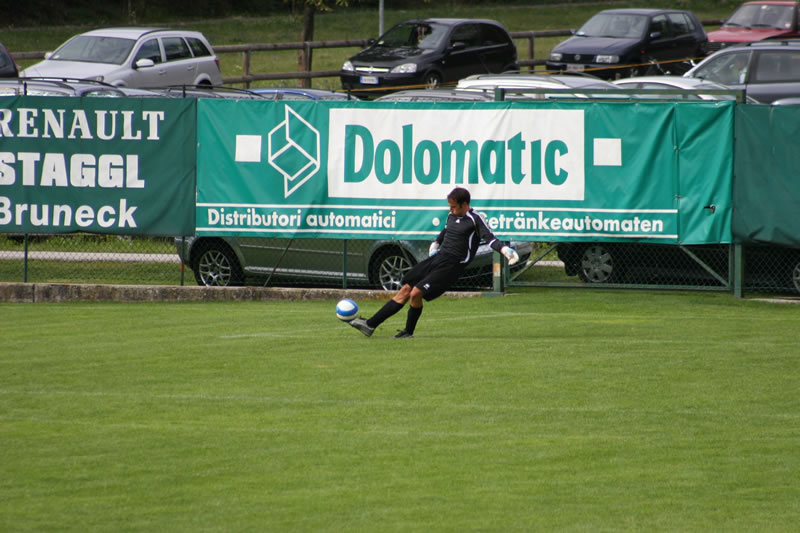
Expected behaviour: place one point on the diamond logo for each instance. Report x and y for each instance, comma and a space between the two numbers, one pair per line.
294, 150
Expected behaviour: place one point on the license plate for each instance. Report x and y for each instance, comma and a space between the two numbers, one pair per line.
575, 68
369, 80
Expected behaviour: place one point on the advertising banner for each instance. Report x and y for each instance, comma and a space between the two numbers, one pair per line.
98, 165
539, 171
767, 186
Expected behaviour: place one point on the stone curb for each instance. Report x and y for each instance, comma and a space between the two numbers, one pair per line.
68, 292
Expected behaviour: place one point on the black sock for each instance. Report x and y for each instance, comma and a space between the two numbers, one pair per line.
388, 309
413, 315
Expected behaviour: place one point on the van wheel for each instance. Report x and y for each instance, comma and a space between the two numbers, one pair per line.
388, 266
217, 266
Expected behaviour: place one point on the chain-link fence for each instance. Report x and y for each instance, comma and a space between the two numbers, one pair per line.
767, 269
363, 263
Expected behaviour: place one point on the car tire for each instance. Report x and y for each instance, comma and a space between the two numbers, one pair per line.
388, 266
432, 80
598, 263
217, 266
795, 274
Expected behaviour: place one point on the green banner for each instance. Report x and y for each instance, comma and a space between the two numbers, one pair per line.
766, 183
98, 165
542, 171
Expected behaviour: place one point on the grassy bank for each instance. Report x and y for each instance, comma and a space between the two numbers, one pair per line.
356, 23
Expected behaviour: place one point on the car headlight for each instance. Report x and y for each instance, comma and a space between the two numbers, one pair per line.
607, 59
555, 56
348, 66
405, 68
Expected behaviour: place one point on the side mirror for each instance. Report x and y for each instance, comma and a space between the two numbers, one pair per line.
144, 63
655, 35
48, 55
457, 46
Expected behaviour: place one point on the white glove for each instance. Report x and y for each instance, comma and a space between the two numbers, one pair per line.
434, 249
511, 254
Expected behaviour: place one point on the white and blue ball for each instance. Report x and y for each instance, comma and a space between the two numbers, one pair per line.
346, 309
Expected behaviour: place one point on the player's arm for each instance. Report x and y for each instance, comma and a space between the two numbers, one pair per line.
434, 248
496, 244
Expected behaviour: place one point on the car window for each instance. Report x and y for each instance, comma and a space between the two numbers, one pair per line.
469, 34
679, 23
199, 49
775, 66
659, 24
426, 36
175, 48
149, 50
493, 35
615, 25
95, 49
762, 16
727, 69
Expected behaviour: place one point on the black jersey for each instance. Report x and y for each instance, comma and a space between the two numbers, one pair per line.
461, 237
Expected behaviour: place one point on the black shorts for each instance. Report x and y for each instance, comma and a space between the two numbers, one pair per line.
434, 275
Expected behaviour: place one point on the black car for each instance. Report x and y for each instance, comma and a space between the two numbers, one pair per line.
766, 70
427, 53
619, 43
8, 68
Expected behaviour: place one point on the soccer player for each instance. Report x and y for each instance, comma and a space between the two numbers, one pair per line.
450, 254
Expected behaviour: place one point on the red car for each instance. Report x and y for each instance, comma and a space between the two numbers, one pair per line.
756, 21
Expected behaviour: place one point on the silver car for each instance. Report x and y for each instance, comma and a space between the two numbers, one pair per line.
225, 261
133, 57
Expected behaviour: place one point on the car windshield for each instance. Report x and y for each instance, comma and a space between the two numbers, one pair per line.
425, 35
95, 49
616, 25
762, 16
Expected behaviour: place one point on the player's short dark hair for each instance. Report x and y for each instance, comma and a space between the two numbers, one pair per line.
459, 195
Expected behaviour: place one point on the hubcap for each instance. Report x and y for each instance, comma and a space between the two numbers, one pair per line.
215, 269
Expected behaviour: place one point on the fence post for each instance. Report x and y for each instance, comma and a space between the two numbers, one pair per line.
497, 273
25, 261
531, 54
737, 270
246, 68
344, 264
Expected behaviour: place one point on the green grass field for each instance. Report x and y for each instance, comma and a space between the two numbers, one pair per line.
546, 410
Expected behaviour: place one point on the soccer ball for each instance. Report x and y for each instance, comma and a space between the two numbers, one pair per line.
346, 309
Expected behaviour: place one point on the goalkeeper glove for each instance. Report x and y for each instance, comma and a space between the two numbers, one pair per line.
434, 249
510, 254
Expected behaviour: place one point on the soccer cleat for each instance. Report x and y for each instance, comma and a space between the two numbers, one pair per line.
361, 325
403, 334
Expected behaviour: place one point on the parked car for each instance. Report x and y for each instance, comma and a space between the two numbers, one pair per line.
756, 21
436, 95
617, 43
773, 268
206, 91
133, 57
224, 261
690, 88
8, 68
561, 83
66, 87
297, 93
764, 70
427, 53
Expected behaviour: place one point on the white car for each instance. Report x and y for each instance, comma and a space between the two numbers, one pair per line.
685, 88
563, 83
133, 57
